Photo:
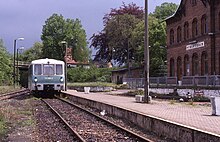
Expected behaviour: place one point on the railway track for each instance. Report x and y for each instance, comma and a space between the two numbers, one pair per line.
14, 94
89, 126
76, 136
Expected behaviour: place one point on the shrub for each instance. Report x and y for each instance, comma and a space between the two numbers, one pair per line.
92, 74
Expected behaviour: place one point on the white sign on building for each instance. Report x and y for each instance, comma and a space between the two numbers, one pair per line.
195, 45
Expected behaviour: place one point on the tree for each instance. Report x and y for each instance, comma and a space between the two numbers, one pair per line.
164, 10
157, 38
123, 35
56, 30
130, 9
32, 53
114, 42
5, 66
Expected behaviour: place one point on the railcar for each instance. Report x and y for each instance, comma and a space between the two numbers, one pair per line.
46, 76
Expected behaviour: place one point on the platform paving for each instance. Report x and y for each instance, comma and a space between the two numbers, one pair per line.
196, 116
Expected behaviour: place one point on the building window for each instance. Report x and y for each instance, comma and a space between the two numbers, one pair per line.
194, 28
195, 64
172, 67
186, 65
179, 68
204, 64
171, 36
219, 21
193, 2
186, 30
179, 35
204, 25
219, 62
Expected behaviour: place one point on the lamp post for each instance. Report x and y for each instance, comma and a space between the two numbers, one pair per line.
65, 55
20, 48
14, 74
146, 56
128, 56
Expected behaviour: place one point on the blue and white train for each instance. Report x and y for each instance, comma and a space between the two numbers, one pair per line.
46, 76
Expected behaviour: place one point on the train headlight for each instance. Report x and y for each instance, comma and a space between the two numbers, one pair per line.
35, 80
61, 79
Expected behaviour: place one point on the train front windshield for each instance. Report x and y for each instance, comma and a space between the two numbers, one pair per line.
48, 69
59, 70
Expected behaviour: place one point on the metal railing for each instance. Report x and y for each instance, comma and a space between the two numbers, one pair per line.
203, 81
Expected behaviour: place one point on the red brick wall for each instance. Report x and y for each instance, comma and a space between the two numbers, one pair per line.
179, 49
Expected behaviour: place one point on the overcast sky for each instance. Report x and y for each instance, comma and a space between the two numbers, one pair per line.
25, 18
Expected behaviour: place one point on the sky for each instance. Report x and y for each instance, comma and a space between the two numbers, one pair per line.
25, 18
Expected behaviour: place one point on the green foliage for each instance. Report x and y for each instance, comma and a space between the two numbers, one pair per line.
32, 53
201, 99
119, 32
93, 74
164, 10
157, 38
92, 84
3, 128
5, 66
56, 30
114, 42
7, 89
123, 35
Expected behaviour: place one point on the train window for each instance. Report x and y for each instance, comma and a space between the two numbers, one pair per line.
48, 69
59, 70
37, 69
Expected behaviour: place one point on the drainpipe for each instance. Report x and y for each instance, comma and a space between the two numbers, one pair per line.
212, 36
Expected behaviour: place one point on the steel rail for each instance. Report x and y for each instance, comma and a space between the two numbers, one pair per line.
107, 121
13, 94
64, 121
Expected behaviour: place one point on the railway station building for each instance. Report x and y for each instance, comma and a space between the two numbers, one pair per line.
193, 39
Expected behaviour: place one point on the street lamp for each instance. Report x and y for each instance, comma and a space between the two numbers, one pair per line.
128, 60
19, 39
65, 55
20, 48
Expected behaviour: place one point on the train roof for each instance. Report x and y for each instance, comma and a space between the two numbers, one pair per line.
46, 61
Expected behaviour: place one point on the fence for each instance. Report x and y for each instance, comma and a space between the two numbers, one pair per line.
203, 81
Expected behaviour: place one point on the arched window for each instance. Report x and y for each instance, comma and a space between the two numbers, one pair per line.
204, 25
171, 36
193, 2
194, 28
219, 62
186, 30
204, 64
186, 66
179, 34
179, 68
195, 64
219, 21
172, 67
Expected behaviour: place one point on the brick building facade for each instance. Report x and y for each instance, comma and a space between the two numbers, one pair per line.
193, 39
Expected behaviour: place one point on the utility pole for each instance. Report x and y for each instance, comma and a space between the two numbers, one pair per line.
146, 56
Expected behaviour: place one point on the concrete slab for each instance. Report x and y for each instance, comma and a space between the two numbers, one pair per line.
196, 116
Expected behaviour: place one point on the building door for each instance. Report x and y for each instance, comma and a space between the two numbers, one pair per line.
179, 68
195, 64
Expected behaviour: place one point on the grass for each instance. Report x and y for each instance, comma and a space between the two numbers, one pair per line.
172, 101
3, 128
7, 89
93, 84
28, 122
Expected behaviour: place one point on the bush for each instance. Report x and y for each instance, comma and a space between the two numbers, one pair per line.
92, 74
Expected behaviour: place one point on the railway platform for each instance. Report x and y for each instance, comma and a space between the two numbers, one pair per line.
195, 116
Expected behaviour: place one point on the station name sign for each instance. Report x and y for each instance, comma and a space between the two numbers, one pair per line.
195, 45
